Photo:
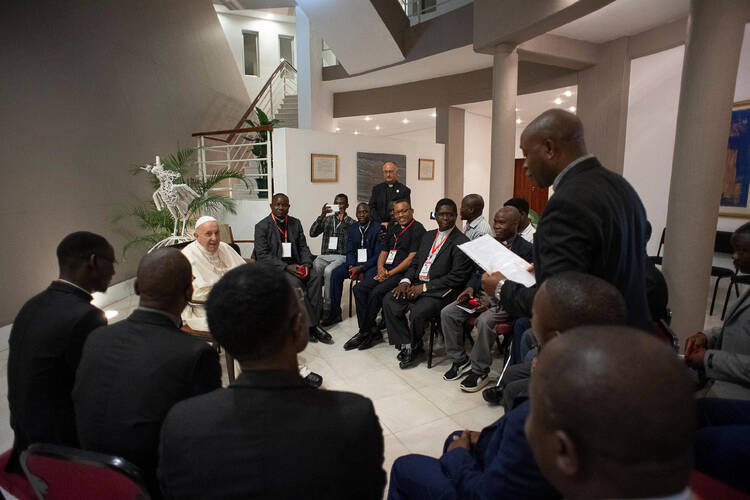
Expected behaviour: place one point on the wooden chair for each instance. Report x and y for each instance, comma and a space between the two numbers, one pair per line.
352, 282
207, 337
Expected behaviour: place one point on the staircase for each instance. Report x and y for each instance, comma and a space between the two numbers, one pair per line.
287, 113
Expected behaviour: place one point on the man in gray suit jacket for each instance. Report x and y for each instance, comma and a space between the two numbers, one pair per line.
723, 353
280, 243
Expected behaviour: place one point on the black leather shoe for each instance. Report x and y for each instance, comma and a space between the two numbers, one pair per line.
371, 340
355, 341
321, 334
411, 358
493, 395
311, 337
401, 353
331, 320
313, 380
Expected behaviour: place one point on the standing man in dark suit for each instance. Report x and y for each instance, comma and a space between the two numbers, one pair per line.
434, 279
269, 435
46, 342
131, 373
401, 246
280, 243
385, 192
595, 222
362, 252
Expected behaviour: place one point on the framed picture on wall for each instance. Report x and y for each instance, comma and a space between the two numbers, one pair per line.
735, 199
324, 168
370, 171
426, 169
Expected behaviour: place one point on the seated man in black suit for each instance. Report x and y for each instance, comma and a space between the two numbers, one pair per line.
612, 416
452, 317
134, 371
395, 257
46, 342
433, 280
268, 435
280, 243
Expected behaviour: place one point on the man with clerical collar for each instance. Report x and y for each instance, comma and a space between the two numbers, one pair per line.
471, 211
334, 228
120, 398
362, 252
396, 255
387, 191
281, 244
525, 228
453, 316
210, 259
432, 281
46, 341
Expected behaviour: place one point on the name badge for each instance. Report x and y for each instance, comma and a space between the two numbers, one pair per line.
286, 249
361, 255
424, 273
391, 257
333, 243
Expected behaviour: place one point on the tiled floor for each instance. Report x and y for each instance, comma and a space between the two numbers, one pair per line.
416, 407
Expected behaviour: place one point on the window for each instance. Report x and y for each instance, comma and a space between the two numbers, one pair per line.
329, 58
251, 53
286, 48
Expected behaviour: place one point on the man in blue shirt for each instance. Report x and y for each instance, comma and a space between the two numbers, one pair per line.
362, 251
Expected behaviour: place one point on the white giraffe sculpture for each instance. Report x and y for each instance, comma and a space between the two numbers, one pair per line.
175, 197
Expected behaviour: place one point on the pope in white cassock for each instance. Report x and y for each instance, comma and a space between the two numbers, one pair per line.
211, 259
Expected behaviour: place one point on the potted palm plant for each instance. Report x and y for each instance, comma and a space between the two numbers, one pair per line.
261, 150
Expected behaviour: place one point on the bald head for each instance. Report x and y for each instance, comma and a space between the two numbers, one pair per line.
506, 222
550, 142
611, 415
164, 280
472, 206
390, 172
572, 299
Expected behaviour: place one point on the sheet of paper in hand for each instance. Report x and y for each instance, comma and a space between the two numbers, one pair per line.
492, 256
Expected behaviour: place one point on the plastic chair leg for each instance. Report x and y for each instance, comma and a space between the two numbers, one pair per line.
726, 301
429, 349
716, 289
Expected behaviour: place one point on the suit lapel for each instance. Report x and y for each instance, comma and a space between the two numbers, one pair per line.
739, 306
445, 249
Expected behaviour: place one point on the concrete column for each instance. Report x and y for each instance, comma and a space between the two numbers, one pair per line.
450, 131
709, 73
503, 151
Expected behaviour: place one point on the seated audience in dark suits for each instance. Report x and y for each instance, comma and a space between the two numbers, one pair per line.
434, 279
46, 342
452, 317
362, 252
722, 441
395, 257
722, 354
497, 462
280, 243
131, 373
525, 228
269, 434
612, 416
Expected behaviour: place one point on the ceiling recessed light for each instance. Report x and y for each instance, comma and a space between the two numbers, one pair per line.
337, 129
567, 93
377, 127
516, 110
111, 313
356, 132
433, 115
367, 118
558, 101
518, 120
572, 109
404, 121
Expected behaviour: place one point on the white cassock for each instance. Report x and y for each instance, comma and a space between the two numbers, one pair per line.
208, 268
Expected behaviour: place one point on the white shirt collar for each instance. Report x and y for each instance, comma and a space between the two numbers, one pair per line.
73, 284
568, 168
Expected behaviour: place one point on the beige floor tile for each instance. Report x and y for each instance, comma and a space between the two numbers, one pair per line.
353, 364
404, 411
478, 418
428, 439
393, 449
447, 396
378, 384
419, 376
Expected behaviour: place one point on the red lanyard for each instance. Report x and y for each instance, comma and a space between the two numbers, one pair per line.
402, 232
277, 226
435, 249
466, 228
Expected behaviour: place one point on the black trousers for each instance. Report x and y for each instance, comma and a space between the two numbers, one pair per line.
368, 295
422, 309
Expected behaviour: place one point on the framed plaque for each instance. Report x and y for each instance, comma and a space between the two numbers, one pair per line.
426, 169
324, 168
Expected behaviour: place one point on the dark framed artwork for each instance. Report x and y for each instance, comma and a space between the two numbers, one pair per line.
735, 195
370, 171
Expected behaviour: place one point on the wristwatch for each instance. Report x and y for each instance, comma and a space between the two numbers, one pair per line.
498, 287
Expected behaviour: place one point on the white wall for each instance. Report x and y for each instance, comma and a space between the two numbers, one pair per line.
421, 135
292, 149
477, 147
650, 133
315, 100
268, 46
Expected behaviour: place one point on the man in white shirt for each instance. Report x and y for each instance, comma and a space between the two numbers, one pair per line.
475, 226
525, 229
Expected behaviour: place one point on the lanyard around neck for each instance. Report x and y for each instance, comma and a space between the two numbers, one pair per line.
362, 241
402, 232
286, 225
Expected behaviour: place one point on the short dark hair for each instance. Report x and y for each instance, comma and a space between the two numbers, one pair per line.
79, 245
446, 201
249, 311
342, 195
744, 228
521, 204
584, 299
401, 200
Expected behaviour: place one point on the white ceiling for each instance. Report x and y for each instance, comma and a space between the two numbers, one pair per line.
451, 62
529, 107
624, 18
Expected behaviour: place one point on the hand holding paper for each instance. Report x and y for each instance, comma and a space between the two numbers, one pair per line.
493, 257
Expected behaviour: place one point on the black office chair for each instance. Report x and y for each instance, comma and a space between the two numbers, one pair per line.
722, 244
657, 259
